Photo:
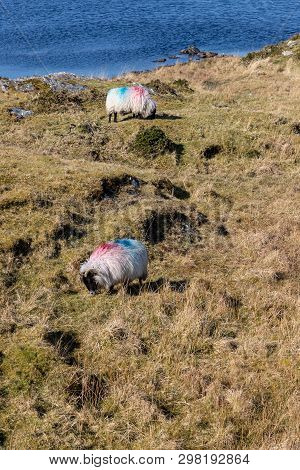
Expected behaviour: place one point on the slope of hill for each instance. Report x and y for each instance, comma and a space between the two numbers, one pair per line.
206, 355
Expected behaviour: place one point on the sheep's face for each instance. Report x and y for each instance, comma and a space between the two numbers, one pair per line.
149, 110
152, 115
91, 281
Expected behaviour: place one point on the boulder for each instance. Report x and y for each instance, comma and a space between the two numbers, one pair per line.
4, 84
20, 113
191, 50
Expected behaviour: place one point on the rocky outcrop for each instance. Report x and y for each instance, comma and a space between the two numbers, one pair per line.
190, 50
57, 82
194, 51
20, 113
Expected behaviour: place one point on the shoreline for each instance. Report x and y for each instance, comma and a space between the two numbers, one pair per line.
68, 74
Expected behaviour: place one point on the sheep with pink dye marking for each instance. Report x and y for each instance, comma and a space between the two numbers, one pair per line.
134, 99
115, 262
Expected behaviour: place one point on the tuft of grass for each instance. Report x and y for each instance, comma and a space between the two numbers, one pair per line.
151, 142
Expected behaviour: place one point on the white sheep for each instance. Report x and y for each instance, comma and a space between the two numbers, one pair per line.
115, 262
134, 99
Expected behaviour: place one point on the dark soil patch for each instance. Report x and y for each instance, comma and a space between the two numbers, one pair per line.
233, 345
109, 188
165, 409
279, 276
2, 438
179, 286
159, 225
22, 248
64, 341
119, 333
232, 302
66, 231
166, 188
11, 204
10, 278
201, 218
41, 408
211, 151
222, 231
296, 128
281, 121
88, 389
42, 202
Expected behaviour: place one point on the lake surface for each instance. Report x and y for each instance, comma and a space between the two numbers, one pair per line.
104, 38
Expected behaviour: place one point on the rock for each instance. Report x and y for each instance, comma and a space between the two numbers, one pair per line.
65, 75
209, 54
287, 53
160, 60
5, 84
174, 57
293, 43
194, 51
20, 113
190, 50
25, 87
58, 85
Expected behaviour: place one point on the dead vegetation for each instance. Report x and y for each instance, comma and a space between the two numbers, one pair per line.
206, 353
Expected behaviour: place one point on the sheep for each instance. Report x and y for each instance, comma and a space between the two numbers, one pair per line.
134, 99
115, 262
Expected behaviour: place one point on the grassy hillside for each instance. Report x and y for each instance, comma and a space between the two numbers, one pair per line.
206, 355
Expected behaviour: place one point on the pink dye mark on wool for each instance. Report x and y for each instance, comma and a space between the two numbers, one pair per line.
138, 90
109, 247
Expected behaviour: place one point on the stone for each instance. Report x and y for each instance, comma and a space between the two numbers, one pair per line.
20, 113
287, 53
190, 50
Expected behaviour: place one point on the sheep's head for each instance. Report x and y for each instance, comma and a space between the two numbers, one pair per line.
150, 109
89, 278
92, 278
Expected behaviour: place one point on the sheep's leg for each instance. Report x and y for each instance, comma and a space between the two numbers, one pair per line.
109, 117
133, 115
115, 117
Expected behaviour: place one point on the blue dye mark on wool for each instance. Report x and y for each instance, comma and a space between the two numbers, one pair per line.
123, 90
127, 243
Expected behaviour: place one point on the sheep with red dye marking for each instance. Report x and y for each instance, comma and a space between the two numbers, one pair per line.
134, 99
115, 262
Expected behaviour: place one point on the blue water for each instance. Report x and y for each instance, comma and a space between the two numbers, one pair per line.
107, 37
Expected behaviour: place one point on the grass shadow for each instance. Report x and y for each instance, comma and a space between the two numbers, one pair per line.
157, 285
168, 117
163, 116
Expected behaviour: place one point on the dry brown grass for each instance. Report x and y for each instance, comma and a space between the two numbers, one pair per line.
207, 354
